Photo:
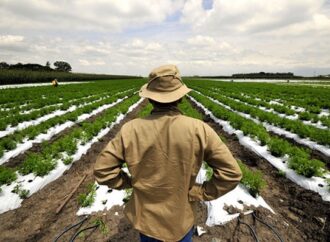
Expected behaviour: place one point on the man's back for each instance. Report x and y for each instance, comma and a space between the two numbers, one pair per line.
164, 153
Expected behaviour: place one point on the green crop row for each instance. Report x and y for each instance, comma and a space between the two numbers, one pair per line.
188, 110
321, 136
39, 101
145, 111
313, 99
15, 119
7, 175
43, 103
252, 180
276, 107
39, 96
299, 158
43, 162
10, 142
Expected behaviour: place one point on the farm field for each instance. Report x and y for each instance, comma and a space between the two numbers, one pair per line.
50, 138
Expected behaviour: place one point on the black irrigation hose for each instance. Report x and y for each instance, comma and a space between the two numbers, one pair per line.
80, 231
269, 226
251, 229
71, 227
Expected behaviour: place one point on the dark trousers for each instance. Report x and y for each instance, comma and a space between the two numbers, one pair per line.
186, 238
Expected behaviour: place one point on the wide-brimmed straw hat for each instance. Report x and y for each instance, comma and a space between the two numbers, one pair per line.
164, 85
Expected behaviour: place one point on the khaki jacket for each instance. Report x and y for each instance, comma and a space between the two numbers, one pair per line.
164, 153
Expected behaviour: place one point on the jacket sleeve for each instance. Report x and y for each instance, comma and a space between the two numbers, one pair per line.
107, 169
226, 172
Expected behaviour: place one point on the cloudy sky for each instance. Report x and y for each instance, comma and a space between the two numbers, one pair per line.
203, 37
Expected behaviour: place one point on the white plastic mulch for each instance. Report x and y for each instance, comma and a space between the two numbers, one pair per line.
70, 101
277, 130
318, 124
324, 112
10, 200
316, 184
25, 124
217, 215
27, 144
105, 199
238, 198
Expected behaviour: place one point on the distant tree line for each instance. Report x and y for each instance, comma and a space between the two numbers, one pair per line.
36, 73
260, 75
59, 66
269, 75
266, 75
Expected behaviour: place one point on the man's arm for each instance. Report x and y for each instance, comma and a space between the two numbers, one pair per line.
226, 172
107, 169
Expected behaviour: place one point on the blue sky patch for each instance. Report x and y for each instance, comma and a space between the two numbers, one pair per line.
207, 4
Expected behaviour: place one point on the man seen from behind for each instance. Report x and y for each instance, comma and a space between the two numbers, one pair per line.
164, 153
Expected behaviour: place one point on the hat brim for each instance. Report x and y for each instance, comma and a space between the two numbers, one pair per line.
164, 97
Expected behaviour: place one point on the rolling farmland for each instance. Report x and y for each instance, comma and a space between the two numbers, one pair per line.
50, 138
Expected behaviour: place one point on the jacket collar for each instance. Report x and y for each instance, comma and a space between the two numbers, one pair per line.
166, 111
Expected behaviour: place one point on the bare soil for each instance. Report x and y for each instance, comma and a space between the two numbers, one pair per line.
301, 215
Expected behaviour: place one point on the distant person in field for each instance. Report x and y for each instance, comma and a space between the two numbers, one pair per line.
55, 83
164, 153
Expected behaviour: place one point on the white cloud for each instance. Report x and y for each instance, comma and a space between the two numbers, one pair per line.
94, 15
132, 37
200, 40
11, 39
92, 63
249, 16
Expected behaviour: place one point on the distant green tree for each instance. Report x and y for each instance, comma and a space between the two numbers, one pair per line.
4, 65
62, 66
48, 64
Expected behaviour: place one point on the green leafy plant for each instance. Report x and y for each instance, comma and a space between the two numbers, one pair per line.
306, 167
8, 144
145, 111
88, 198
209, 171
22, 193
67, 160
305, 116
278, 147
188, 110
38, 164
101, 225
7, 175
128, 194
252, 180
